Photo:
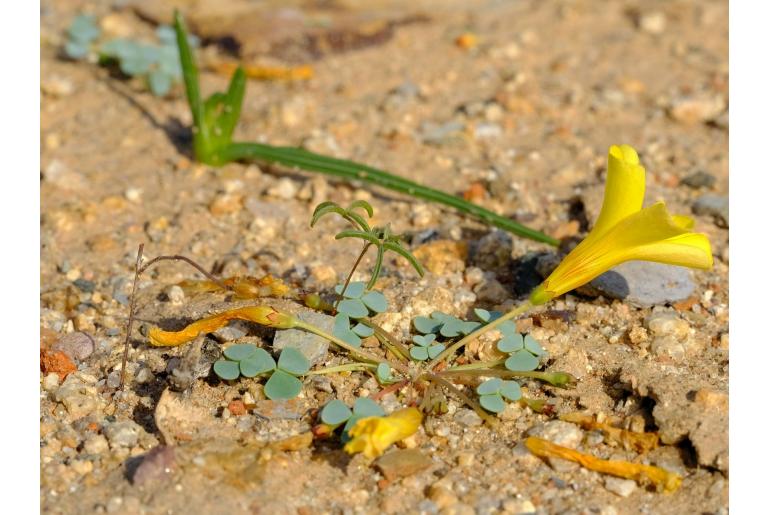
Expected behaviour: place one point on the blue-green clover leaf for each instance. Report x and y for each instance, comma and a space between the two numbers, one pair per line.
423, 340
342, 330
240, 352
511, 390
362, 330
159, 82
354, 308
83, 29
75, 49
293, 361
375, 301
426, 325
507, 328
443, 317
469, 327
282, 385
533, 346
419, 353
258, 363
365, 407
492, 402
452, 327
335, 413
490, 386
511, 343
353, 291
227, 370
384, 375
521, 361
435, 350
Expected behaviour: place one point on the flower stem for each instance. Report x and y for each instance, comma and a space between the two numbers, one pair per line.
448, 353
557, 379
342, 368
492, 421
356, 353
350, 275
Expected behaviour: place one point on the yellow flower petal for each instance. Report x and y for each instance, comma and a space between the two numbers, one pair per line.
372, 435
624, 188
625, 232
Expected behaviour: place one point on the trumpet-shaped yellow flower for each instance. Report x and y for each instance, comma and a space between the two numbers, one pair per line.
372, 435
624, 232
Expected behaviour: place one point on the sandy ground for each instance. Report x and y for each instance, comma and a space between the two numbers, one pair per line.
526, 115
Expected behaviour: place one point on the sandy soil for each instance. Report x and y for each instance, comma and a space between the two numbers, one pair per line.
527, 115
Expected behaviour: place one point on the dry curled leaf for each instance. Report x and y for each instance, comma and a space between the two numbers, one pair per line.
642, 474
244, 287
630, 440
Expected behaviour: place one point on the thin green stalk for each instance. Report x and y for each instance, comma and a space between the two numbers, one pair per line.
475, 366
363, 355
557, 379
350, 170
343, 368
387, 339
350, 275
467, 400
448, 353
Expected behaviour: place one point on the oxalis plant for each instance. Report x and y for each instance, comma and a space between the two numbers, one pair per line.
215, 118
425, 369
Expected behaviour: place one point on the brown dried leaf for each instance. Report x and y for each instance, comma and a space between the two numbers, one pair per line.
642, 474
630, 440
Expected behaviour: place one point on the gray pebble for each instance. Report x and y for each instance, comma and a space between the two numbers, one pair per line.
312, 346
714, 205
621, 487
440, 134
467, 418
174, 294
156, 464
79, 398
233, 331
123, 434
77, 345
84, 285
699, 179
643, 283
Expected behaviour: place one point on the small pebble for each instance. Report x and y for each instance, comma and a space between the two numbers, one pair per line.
467, 418
699, 179
285, 189
78, 345
715, 205
156, 464
123, 434
96, 445
653, 22
621, 487
643, 283
174, 294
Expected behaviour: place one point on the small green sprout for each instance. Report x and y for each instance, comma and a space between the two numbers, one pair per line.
379, 237
216, 148
385, 374
248, 360
439, 323
336, 413
81, 34
492, 393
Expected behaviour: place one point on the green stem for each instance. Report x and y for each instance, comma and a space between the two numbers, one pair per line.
356, 353
492, 421
557, 379
343, 368
448, 353
475, 366
350, 275
350, 170
387, 339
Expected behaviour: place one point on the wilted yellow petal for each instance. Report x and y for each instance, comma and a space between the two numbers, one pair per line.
623, 190
372, 435
264, 315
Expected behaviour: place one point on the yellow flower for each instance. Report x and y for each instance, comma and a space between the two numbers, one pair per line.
372, 435
625, 232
